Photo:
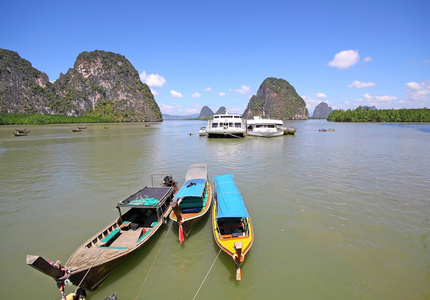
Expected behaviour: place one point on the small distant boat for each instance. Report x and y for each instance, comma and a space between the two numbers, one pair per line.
22, 131
95, 259
19, 133
82, 127
106, 127
231, 224
202, 131
289, 130
264, 127
322, 130
193, 199
331, 129
76, 130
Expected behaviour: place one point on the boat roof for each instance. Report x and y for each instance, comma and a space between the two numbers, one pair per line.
148, 197
197, 171
229, 200
191, 188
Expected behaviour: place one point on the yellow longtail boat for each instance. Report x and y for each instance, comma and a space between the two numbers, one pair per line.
231, 224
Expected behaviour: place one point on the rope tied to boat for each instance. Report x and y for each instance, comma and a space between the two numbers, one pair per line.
153, 262
204, 279
82, 280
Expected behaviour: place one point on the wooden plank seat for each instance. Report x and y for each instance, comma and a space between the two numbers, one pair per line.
110, 236
191, 210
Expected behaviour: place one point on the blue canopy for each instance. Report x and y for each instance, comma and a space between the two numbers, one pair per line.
229, 200
192, 188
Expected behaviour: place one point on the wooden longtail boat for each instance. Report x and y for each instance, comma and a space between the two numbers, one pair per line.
19, 133
22, 131
231, 224
95, 259
193, 200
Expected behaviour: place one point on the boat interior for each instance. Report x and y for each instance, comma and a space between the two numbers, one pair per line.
232, 227
128, 230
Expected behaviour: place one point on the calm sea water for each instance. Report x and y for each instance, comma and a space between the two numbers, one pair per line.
337, 215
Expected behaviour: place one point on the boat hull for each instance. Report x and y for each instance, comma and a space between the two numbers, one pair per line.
231, 225
266, 134
226, 134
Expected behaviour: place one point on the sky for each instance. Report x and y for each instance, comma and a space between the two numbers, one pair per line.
217, 53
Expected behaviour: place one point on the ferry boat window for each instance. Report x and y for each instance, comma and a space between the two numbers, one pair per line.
214, 125
216, 117
271, 126
238, 125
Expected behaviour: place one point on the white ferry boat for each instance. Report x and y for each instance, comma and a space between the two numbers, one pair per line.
264, 127
226, 125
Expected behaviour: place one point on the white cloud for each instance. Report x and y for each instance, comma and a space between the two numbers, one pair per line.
244, 90
310, 102
175, 94
367, 59
196, 95
152, 80
193, 111
173, 108
361, 85
154, 92
345, 59
418, 91
208, 89
321, 95
376, 99
221, 94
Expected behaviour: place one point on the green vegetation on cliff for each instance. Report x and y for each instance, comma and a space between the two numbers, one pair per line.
112, 110
41, 119
361, 114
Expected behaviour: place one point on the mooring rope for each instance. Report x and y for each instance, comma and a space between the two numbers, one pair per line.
204, 279
152, 265
89, 269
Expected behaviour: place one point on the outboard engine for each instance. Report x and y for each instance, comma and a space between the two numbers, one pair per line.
168, 181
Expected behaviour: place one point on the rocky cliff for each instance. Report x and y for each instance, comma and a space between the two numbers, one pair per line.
100, 84
23, 89
278, 99
206, 112
322, 111
221, 110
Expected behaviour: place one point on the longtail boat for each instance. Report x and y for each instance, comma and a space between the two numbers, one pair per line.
95, 259
193, 200
231, 224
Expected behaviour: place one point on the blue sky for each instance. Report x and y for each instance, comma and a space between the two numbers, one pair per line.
217, 53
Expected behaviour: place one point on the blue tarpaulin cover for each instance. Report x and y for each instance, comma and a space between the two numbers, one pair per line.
229, 200
191, 188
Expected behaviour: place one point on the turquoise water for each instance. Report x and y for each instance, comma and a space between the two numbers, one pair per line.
337, 215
